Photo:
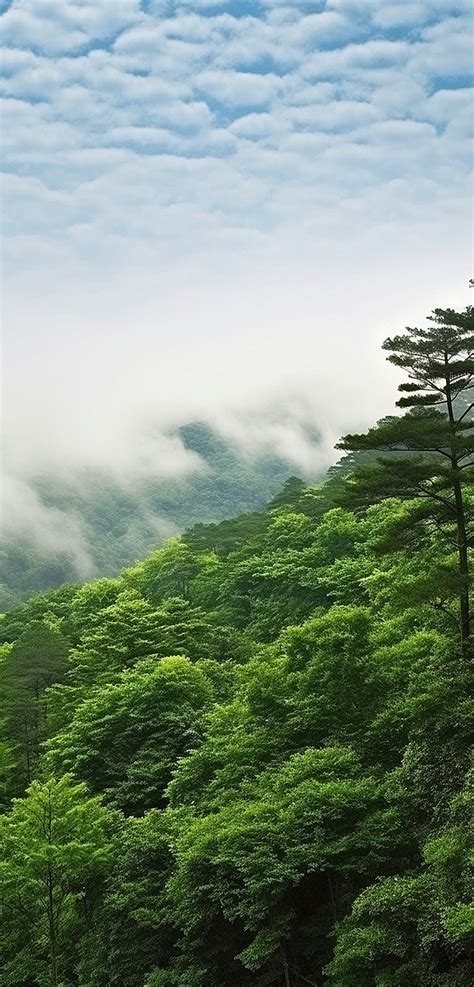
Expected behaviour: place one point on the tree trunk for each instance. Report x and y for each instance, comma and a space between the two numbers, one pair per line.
27, 753
53, 941
332, 899
465, 617
52, 932
464, 613
286, 971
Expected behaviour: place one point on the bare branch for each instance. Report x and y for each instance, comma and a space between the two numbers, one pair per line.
466, 412
437, 497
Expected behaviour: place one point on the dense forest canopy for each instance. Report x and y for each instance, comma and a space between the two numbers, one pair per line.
247, 759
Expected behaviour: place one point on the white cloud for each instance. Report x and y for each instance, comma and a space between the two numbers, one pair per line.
233, 89
51, 530
320, 29
446, 103
390, 13
337, 115
257, 125
406, 14
199, 205
354, 58
54, 27
446, 50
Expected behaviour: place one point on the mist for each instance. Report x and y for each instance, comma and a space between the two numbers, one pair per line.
97, 379
205, 224
96, 370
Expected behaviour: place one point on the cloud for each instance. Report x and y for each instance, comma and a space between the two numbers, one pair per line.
239, 88
209, 204
55, 28
406, 14
297, 432
52, 531
387, 12
337, 115
353, 59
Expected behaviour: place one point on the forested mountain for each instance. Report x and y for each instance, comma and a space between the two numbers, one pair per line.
246, 761
119, 523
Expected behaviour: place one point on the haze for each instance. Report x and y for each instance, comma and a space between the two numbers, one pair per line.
220, 209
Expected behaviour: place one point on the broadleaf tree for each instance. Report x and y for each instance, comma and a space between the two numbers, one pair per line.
55, 846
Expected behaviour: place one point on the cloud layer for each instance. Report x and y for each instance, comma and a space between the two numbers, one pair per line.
210, 204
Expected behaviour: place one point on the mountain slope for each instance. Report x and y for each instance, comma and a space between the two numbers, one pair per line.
118, 523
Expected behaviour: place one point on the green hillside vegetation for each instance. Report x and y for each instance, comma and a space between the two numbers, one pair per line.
246, 761
120, 523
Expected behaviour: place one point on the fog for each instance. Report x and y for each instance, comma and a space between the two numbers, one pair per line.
217, 217
96, 368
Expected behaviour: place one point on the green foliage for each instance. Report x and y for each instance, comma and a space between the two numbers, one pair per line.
35, 661
55, 848
416, 928
440, 366
261, 735
312, 816
127, 737
132, 934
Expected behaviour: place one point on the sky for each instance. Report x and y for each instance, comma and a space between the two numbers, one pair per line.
220, 208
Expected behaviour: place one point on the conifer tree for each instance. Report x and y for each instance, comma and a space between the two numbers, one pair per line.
431, 445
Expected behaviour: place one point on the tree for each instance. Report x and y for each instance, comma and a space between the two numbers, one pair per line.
290, 494
115, 638
257, 883
415, 928
35, 661
166, 573
55, 844
431, 445
132, 933
127, 737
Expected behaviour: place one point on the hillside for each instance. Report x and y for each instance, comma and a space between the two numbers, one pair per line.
121, 522
247, 760
301, 762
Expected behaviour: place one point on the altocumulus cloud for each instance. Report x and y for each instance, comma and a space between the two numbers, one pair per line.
213, 204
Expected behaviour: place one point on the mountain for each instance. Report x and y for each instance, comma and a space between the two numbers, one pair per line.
247, 755
118, 523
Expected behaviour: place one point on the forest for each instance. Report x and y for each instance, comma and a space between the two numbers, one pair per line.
246, 760
119, 523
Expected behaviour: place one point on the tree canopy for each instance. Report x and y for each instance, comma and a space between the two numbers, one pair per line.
247, 760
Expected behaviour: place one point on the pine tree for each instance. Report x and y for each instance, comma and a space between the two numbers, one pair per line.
431, 445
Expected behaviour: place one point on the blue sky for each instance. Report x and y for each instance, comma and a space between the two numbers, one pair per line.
210, 204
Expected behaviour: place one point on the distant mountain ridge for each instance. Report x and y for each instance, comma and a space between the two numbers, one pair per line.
120, 524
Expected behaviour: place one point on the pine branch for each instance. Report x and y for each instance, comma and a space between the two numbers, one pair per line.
466, 412
433, 496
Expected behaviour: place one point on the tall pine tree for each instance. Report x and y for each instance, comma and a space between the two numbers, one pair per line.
431, 445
